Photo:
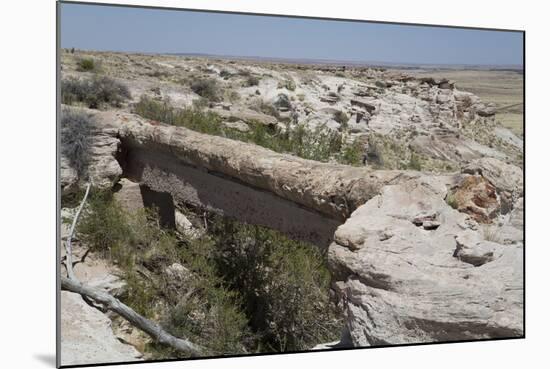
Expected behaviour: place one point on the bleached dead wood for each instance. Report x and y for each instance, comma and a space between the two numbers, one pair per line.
68, 244
154, 330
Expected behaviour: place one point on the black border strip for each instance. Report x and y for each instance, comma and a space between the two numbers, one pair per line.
58, 195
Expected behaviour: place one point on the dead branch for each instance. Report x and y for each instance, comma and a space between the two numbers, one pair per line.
68, 245
151, 328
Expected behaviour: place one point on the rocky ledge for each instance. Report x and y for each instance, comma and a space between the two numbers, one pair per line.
410, 268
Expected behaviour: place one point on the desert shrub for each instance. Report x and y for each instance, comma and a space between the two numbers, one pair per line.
95, 92
414, 162
103, 226
157, 73
283, 101
252, 81
207, 88
76, 127
352, 154
341, 117
86, 65
246, 288
289, 84
232, 96
225, 74
208, 312
284, 285
318, 144
451, 200
261, 106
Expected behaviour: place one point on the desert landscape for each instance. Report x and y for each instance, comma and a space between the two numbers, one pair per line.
222, 206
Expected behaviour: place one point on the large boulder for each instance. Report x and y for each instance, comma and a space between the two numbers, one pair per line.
409, 268
477, 197
505, 177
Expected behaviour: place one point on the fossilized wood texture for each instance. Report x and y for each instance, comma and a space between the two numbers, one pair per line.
410, 268
331, 189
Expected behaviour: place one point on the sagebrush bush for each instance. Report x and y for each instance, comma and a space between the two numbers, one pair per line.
341, 117
261, 106
252, 81
95, 92
283, 101
207, 88
86, 65
289, 84
284, 284
76, 128
414, 162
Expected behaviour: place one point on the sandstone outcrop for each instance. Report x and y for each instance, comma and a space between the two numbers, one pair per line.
331, 189
402, 282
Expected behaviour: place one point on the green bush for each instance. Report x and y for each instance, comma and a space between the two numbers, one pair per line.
195, 119
252, 81
289, 84
95, 92
352, 154
283, 102
341, 117
86, 65
261, 106
451, 200
207, 88
415, 162
225, 74
76, 127
284, 284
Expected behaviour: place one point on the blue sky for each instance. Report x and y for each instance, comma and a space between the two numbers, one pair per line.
128, 29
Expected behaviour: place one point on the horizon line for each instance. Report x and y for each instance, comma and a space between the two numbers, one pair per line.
313, 61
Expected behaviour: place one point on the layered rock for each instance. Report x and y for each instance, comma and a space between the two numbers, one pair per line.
402, 282
331, 189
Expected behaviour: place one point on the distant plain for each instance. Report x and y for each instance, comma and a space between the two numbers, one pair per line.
504, 88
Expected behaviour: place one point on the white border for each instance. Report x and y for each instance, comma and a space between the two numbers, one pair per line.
27, 185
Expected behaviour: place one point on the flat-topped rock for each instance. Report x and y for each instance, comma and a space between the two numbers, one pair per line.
332, 189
